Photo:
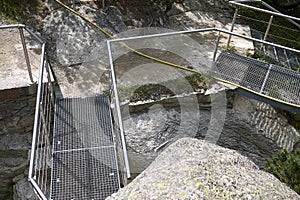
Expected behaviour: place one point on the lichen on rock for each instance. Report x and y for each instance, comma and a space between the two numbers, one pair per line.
194, 169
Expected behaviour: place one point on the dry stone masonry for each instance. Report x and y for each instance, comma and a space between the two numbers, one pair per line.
17, 107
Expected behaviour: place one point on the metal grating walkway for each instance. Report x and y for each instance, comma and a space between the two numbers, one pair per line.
272, 81
84, 154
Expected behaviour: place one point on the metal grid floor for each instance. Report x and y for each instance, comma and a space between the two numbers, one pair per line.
84, 154
264, 78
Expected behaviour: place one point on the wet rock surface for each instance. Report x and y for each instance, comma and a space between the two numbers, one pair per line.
252, 128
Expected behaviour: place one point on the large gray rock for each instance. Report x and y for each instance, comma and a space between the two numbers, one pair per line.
199, 14
22, 189
194, 169
77, 50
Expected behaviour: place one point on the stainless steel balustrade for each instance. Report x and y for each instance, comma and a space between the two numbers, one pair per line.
41, 150
274, 12
40, 154
21, 28
117, 121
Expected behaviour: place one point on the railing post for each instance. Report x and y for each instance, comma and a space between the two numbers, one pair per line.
216, 47
268, 28
232, 25
48, 70
287, 59
275, 10
265, 80
123, 140
26, 53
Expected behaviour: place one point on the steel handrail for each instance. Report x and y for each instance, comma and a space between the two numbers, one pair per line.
275, 10
118, 110
36, 126
22, 37
203, 30
238, 2
22, 27
263, 10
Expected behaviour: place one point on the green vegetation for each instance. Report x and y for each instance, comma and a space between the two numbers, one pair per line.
292, 117
263, 56
11, 9
150, 91
158, 90
282, 31
9, 192
229, 48
286, 167
21, 11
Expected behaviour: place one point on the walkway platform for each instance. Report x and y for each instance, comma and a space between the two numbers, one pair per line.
84, 153
272, 82
14, 72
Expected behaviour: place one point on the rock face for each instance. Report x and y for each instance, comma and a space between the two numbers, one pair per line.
78, 55
22, 189
79, 58
194, 169
252, 128
17, 107
76, 50
200, 14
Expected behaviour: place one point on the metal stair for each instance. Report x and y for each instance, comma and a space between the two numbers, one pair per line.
270, 82
84, 153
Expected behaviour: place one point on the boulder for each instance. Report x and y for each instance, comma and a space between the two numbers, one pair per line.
195, 169
22, 189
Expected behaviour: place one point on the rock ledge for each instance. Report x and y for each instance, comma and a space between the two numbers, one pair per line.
195, 169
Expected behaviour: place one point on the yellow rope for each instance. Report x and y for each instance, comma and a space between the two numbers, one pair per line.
257, 93
122, 43
166, 62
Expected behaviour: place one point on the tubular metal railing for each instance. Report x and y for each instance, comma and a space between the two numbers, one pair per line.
118, 123
218, 30
21, 28
220, 34
39, 164
41, 150
272, 13
40, 156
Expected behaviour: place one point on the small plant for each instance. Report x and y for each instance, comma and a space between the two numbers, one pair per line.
11, 9
107, 93
292, 117
229, 48
286, 167
167, 4
152, 91
9, 192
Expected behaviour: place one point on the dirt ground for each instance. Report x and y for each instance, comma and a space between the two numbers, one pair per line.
14, 71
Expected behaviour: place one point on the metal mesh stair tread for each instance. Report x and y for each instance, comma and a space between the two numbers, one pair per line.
84, 154
272, 80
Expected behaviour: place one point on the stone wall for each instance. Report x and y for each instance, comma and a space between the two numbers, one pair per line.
17, 107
